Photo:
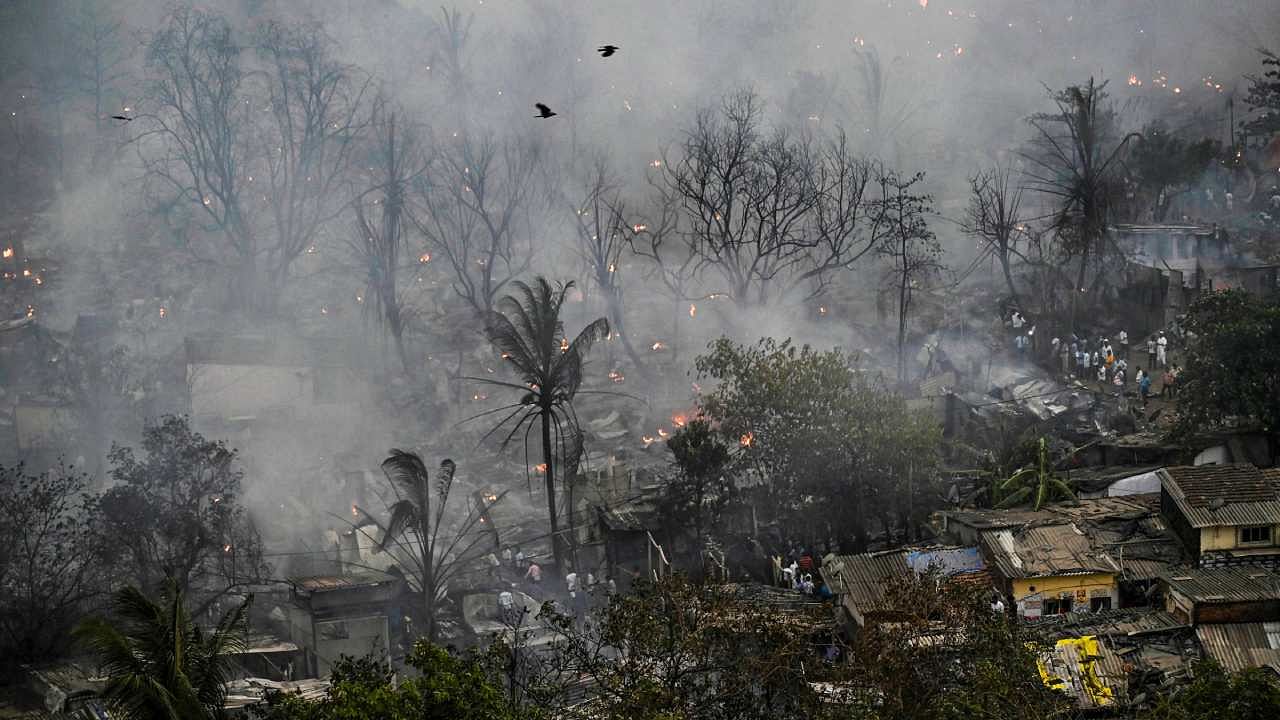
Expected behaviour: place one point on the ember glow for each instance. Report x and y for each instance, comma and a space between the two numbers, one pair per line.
662, 433
693, 310
747, 440
679, 420
540, 468
658, 346
616, 376
7, 253
648, 440
424, 258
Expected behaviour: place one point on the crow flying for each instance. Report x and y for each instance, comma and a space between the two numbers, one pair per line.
121, 117
607, 50
543, 111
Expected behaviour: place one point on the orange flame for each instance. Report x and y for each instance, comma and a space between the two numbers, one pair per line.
540, 468
678, 420
163, 312
693, 310
662, 433
659, 346
226, 548
424, 258
480, 396
564, 345
616, 376
747, 440
639, 227
7, 253
647, 440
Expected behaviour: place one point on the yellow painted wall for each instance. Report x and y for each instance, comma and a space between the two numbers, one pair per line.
1228, 537
1081, 587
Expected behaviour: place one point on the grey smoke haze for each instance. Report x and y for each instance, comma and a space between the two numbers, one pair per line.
958, 79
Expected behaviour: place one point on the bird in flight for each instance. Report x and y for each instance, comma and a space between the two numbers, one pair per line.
543, 111
121, 117
607, 50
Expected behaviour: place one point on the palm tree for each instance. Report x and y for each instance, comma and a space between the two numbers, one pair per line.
436, 557
527, 330
160, 664
1039, 479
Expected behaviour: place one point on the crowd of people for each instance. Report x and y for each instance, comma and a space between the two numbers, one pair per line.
1110, 365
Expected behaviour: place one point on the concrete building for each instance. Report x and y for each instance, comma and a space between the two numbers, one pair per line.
1224, 514
353, 614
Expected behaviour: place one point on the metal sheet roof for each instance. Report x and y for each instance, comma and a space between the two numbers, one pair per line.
862, 579
1239, 646
1215, 495
1223, 585
1045, 551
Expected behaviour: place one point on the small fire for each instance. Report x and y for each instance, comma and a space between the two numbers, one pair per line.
324, 310
564, 345
612, 267
616, 376
311, 250
1133, 80
540, 468
359, 298
506, 356
39, 280
207, 201
747, 440
639, 227
163, 312
31, 311
424, 258
678, 420
354, 512
822, 309
7, 253
658, 346
479, 396
662, 433
656, 164
693, 310
226, 548
26, 272
647, 440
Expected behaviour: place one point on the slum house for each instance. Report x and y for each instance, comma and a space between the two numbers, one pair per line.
965, 525
1236, 594
1113, 660
354, 614
859, 582
1224, 514
1051, 569
1240, 646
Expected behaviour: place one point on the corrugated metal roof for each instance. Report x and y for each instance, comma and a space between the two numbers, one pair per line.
1223, 585
1121, 507
862, 579
1045, 551
1214, 495
1086, 670
1239, 646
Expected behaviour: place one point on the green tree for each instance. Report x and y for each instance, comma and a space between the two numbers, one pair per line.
174, 514
160, 665
1228, 371
47, 569
702, 485
527, 330
1215, 694
1165, 165
1264, 97
837, 447
946, 656
444, 686
675, 649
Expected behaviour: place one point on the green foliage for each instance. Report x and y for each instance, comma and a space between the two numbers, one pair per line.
702, 486
47, 571
445, 686
1162, 160
835, 444
1264, 97
161, 665
1231, 369
1036, 483
1215, 694
178, 505
674, 649
946, 656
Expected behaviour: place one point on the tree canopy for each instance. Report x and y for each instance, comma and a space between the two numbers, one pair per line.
1226, 375
835, 445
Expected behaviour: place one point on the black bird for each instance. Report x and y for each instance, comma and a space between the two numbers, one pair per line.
543, 111
121, 117
607, 50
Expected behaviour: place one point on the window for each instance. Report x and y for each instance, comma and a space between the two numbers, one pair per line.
1099, 603
1057, 606
1256, 535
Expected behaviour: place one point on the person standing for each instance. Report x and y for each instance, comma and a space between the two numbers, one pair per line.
1021, 343
519, 558
1151, 352
534, 573
493, 564
507, 558
1065, 358
1123, 337
1102, 378
1162, 350
1144, 385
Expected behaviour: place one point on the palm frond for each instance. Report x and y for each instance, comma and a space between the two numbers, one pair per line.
407, 473
1015, 499
404, 514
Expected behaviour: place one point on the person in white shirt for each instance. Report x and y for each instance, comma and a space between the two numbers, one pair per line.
1017, 320
572, 581
1162, 346
1123, 337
